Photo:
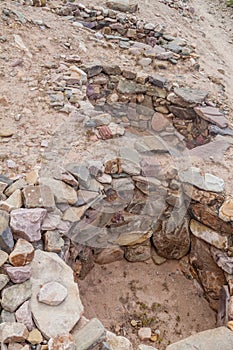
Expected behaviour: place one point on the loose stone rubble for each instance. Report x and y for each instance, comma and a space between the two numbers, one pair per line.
138, 202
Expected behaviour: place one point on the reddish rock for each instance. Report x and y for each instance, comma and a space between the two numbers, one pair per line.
22, 254
212, 115
24, 315
209, 274
26, 223
18, 274
159, 122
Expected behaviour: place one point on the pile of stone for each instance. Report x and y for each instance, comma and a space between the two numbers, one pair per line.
126, 29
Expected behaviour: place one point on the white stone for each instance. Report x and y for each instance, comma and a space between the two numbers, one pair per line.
47, 267
144, 333
52, 293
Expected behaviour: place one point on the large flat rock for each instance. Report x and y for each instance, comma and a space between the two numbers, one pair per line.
214, 339
58, 320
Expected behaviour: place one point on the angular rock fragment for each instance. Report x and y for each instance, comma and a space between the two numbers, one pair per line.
14, 296
38, 197
52, 293
22, 253
18, 274
24, 315
13, 332
92, 334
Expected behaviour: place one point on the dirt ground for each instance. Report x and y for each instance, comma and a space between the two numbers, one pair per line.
159, 297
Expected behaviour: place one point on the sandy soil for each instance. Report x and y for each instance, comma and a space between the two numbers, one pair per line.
158, 296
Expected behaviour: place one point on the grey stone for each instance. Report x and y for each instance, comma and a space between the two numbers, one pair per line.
224, 261
17, 185
53, 241
62, 192
123, 5
139, 252
7, 316
212, 115
81, 173
130, 161
3, 257
130, 87
192, 96
14, 296
15, 201
157, 80
92, 334
6, 238
47, 267
151, 144
213, 339
4, 279
207, 182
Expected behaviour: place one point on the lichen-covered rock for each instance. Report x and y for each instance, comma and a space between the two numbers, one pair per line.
172, 241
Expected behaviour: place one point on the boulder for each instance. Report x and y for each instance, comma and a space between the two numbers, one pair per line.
123, 5
212, 339
48, 267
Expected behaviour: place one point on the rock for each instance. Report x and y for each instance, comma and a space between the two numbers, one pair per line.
47, 267
38, 197
208, 217
171, 238
94, 70
104, 179
73, 214
130, 87
224, 261
52, 220
145, 62
13, 202
14, 296
26, 223
226, 210
130, 161
116, 129
134, 232
18, 274
109, 255
64, 342
212, 115
145, 347
52, 293
212, 339
4, 279
92, 334
191, 96
6, 238
230, 325
123, 5
35, 337
32, 177
24, 315
210, 275
157, 259
124, 187
183, 113
230, 308
208, 235
22, 254
207, 182
81, 173
12, 332
159, 122
53, 241
150, 144
118, 342
144, 333
101, 119
7, 316
157, 80
112, 70
3, 257
140, 252
62, 192
17, 185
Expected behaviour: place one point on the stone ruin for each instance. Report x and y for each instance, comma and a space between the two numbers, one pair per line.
140, 199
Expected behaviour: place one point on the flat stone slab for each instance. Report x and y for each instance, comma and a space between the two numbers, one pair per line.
90, 335
192, 96
123, 5
58, 320
214, 339
212, 115
215, 149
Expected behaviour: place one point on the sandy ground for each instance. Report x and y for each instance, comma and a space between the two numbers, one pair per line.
158, 296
